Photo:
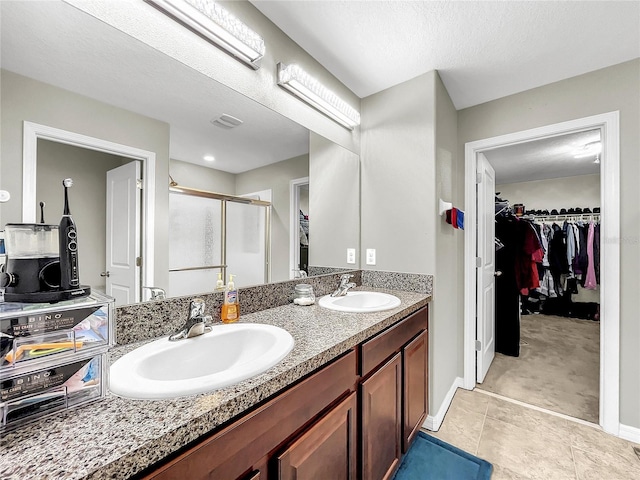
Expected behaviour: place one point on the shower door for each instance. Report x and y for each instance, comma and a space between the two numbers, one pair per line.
195, 244
212, 233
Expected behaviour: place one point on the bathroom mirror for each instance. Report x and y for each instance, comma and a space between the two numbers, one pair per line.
85, 99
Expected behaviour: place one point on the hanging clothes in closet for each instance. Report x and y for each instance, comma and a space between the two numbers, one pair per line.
516, 259
572, 258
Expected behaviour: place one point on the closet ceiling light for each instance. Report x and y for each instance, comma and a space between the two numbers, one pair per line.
217, 25
588, 150
308, 89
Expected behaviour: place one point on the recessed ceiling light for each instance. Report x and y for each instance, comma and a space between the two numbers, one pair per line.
209, 158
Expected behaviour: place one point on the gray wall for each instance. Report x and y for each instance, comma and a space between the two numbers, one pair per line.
259, 85
27, 99
606, 90
409, 160
581, 191
446, 312
276, 177
397, 177
202, 178
334, 203
87, 199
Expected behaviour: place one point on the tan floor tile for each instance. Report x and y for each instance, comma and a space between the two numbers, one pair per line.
594, 440
531, 456
604, 465
471, 400
536, 422
461, 428
503, 473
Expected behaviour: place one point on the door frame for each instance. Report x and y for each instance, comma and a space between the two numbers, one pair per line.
32, 132
294, 223
609, 125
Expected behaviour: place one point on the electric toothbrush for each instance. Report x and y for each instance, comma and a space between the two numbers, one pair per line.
68, 236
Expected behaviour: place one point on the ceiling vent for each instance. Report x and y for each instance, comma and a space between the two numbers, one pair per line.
226, 121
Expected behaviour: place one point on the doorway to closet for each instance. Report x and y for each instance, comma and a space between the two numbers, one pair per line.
476, 326
547, 267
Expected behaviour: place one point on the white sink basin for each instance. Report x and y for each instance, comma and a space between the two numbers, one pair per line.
357, 301
225, 356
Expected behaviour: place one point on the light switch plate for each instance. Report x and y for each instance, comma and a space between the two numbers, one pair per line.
351, 255
371, 256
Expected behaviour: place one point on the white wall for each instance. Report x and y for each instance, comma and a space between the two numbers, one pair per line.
610, 89
567, 192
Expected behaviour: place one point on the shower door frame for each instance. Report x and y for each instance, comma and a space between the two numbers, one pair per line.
224, 198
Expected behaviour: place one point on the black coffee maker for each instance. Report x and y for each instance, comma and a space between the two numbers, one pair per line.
32, 270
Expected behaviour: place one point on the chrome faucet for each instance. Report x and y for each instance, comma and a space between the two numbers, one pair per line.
344, 286
157, 293
196, 324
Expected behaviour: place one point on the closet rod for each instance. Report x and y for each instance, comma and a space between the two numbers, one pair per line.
568, 216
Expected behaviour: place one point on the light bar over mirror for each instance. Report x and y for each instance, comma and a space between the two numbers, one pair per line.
304, 86
217, 25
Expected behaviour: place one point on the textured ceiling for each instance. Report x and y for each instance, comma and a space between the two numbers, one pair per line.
483, 50
57, 44
552, 157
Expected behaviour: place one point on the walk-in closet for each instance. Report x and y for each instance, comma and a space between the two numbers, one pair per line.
547, 279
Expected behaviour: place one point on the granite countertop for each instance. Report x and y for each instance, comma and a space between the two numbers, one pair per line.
115, 437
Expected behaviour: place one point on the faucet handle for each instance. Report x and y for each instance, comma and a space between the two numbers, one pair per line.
344, 278
196, 308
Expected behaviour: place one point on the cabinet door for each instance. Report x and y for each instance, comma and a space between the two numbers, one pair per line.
415, 388
381, 420
326, 450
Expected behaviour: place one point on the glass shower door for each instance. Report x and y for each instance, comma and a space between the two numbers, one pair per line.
195, 244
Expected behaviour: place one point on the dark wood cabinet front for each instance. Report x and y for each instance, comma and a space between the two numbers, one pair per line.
327, 450
352, 419
414, 357
381, 396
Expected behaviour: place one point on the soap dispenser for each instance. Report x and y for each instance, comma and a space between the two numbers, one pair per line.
231, 306
220, 283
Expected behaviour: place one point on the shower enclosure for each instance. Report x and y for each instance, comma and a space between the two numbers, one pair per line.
211, 233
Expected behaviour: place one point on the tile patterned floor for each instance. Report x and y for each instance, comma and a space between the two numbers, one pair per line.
524, 443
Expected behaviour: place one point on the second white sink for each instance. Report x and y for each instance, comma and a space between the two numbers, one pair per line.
357, 301
225, 356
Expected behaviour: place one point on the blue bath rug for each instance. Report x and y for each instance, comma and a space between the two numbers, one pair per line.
432, 459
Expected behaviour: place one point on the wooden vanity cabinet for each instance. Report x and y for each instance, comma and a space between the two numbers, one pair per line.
353, 418
393, 394
326, 450
243, 449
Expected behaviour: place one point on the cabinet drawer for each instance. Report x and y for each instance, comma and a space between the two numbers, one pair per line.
377, 349
233, 452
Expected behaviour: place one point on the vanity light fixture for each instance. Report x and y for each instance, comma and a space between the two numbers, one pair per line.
217, 25
304, 86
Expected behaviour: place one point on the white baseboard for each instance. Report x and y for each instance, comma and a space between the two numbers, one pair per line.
629, 433
432, 422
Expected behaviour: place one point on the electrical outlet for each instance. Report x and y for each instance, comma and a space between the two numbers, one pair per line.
371, 256
351, 255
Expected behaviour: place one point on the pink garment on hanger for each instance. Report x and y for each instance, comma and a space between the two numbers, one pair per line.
590, 283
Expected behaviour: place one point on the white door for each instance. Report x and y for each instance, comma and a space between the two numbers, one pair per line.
485, 298
123, 233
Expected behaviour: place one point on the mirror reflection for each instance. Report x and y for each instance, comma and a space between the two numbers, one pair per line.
123, 120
